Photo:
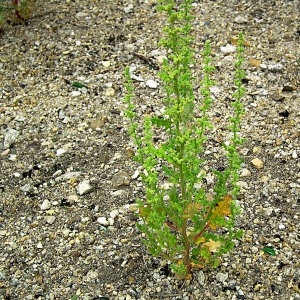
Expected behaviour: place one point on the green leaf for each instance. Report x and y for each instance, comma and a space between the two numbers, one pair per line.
161, 122
74, 297
269, 250
78, 85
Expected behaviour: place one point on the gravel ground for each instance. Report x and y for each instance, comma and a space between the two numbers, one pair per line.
68, 184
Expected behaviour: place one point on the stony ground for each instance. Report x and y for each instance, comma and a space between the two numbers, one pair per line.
68, 184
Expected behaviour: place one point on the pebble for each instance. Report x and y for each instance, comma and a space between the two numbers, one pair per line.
228, 49
106, 63
10, 137
128, 9
275, 67
240, 20
221, 277
98, 123
110, 92
50, 219
136, 174
84, 187
119, 179
75, 93
245, 173
281, 226
114, 213
201, 278
257, 163
160, 59
81, 14
151, 84
253, 62
137, 78
103, 221
60, 151
45, 205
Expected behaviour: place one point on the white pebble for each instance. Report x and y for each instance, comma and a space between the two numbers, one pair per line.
75, 93
84, 187
60, 151
50, 219
245, 173
151, 84
45, 205
228, 49
102, 221
114, 213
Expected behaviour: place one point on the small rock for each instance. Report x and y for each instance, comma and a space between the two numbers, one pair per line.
160, 59
128, 9
215, 91
253, 62
133, 207
114, 213
151, 84
110, 92
45, 205
275, 67
25, 188
137, 78
81, 14
136, 174
60, 151
155, 53
84, 187
257, 163
39, 245
10, 137
91, 275
75, 93
201, 278
5, 153
119, 179
240, 20
106, 63
50, 219
104, 158
20, 118
3, 232
245, 173
277, 97
103, 221
98, 123
221, 277
228, 49
281, 226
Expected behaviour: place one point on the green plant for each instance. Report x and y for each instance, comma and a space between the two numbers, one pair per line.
182, 223
17, 10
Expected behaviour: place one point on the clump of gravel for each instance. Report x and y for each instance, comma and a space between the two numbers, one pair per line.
68, 185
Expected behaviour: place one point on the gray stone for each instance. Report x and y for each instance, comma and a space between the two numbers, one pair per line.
201, 278
222, 277
119, 179
10, 137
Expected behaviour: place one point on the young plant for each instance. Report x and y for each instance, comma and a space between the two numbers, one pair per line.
18, 10
183, 223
